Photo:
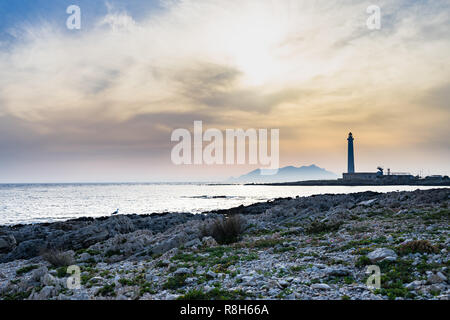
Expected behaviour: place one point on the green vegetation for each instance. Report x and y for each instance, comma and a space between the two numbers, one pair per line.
284, 249
265, 243
349, 280
175, 282
394, 275
107, 290
136, 281
363, 261
61, 272
85, 278
214, 294
294, 232
26, 269
146, 288
417, 246
20, 295
250, 257
300, 268
162, 264
337, 279
215, 256
359, 244
186, 257
139, 280
439, 215
262, 232
323, 227
111, 253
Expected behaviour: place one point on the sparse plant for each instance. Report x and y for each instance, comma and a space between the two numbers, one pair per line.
107, 290
61, 272
323, 227
26, 269
111, 253
225, 230
214, 294
418, 246
363, 261
175, 282
265, 243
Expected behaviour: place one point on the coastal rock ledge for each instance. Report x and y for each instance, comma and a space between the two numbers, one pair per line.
317, 247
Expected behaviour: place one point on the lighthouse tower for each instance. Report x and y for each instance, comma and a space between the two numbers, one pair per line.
351, 158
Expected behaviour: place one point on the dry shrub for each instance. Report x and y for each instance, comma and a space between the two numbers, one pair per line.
58, 258
225, 230
323, 227
418, 246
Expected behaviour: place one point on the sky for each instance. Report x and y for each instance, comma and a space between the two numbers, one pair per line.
99, 104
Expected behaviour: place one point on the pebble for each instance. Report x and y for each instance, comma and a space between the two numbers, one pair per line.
320, 286
182, 271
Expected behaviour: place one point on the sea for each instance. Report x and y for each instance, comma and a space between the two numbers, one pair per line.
37, 203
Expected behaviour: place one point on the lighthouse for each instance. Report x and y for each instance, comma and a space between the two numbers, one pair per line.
371, 178
351, 158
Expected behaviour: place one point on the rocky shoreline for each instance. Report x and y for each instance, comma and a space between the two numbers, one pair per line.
316, 247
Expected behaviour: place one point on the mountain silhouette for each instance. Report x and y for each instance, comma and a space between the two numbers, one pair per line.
286, 174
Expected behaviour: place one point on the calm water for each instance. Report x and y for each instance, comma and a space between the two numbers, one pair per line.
45, 203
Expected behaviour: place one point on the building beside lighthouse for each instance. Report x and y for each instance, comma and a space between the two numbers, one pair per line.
378, 176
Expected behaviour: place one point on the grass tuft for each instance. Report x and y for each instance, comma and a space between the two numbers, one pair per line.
226, 230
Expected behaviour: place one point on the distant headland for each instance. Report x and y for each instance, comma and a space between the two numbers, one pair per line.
435, 181
286, 174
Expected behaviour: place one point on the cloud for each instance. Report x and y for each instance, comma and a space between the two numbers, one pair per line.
300, 66
438, 97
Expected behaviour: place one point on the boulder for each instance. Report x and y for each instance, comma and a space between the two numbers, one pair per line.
25, 242
85, 257
193, 243
46, 293
320, 286
337, 272
246, 279
182, 271
165, 246
367, 203
25, 250
209, 241
413, 285
437, 287
49, 280
191, 280
382, 254
39, 273
283, 284
436, 278
442, 276
7, 243
77, 295
94, 237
